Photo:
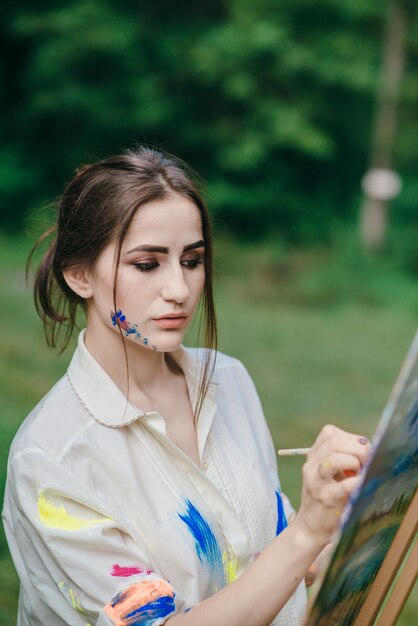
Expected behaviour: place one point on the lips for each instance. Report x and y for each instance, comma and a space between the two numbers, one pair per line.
171, 321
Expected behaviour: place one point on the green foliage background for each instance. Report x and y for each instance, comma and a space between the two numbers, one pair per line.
271, 101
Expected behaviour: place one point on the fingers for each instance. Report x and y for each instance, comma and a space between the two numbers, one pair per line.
337, 435
330, 475
334, 495
332, 440
335, 456
323, 487
337, 463
322, 507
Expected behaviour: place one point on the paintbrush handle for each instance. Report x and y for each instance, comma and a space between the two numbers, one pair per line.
293, 451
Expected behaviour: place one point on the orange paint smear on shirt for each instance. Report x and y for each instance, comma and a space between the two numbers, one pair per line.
136, 596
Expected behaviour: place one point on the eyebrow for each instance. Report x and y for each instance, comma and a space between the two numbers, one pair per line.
164, 250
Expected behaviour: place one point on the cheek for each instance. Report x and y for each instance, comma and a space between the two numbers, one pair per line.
102, 299
135, 290
130, 329
136, 297
198, 284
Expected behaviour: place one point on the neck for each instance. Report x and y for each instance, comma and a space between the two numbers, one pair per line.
149, 372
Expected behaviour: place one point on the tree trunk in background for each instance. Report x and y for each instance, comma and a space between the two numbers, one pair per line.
380, 182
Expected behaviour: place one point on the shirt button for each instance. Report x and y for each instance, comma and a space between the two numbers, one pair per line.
205, 466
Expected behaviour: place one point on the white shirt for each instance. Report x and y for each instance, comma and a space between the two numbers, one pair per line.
110, 523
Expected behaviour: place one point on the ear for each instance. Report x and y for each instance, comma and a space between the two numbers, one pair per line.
80, 281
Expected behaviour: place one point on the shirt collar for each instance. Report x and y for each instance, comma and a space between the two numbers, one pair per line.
102, 398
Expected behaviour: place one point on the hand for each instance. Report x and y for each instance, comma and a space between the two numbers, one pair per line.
330, 475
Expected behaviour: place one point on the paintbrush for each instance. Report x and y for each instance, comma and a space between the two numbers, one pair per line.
304, 451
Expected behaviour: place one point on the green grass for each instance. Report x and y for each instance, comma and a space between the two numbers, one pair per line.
323, 333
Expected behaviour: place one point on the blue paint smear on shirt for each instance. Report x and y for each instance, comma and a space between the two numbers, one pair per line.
146, 615
118, 597
207, 547
281, 517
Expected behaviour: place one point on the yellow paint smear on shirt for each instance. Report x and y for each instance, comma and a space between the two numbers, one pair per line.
74, 600
76, 604
57, 517
230, 567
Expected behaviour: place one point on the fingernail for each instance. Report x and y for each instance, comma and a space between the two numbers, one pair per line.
363, 440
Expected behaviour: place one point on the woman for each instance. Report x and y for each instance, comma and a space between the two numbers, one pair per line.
143, 488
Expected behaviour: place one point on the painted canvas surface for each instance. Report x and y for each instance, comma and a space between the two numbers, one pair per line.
378, 507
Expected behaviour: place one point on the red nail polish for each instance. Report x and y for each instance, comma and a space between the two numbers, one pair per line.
349, 473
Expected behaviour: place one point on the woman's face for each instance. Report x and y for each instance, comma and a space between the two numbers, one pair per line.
160, 278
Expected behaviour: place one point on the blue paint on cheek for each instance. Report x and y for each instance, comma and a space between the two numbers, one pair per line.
117, 317
133, 331
130, 330
147, 614
281, 517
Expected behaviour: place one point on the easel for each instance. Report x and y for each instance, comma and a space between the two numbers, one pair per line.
381, 585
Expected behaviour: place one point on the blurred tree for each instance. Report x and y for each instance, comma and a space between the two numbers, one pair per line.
293, 84
383, 183
270, 101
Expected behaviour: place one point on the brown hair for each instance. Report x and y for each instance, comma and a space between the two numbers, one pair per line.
97, 207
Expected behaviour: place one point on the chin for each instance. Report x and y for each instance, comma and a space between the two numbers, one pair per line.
169, 344
158, 342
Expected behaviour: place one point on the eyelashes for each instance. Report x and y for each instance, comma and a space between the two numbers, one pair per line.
149, 266
191, 264
145, 267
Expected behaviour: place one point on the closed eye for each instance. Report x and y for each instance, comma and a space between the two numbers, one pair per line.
146, 267
191, 264
149, 266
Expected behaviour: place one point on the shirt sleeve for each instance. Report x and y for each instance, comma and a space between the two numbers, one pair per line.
73, 558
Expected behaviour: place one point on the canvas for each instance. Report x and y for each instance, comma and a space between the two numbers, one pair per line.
378, 507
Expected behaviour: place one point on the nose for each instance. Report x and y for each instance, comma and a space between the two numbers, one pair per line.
175, 287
